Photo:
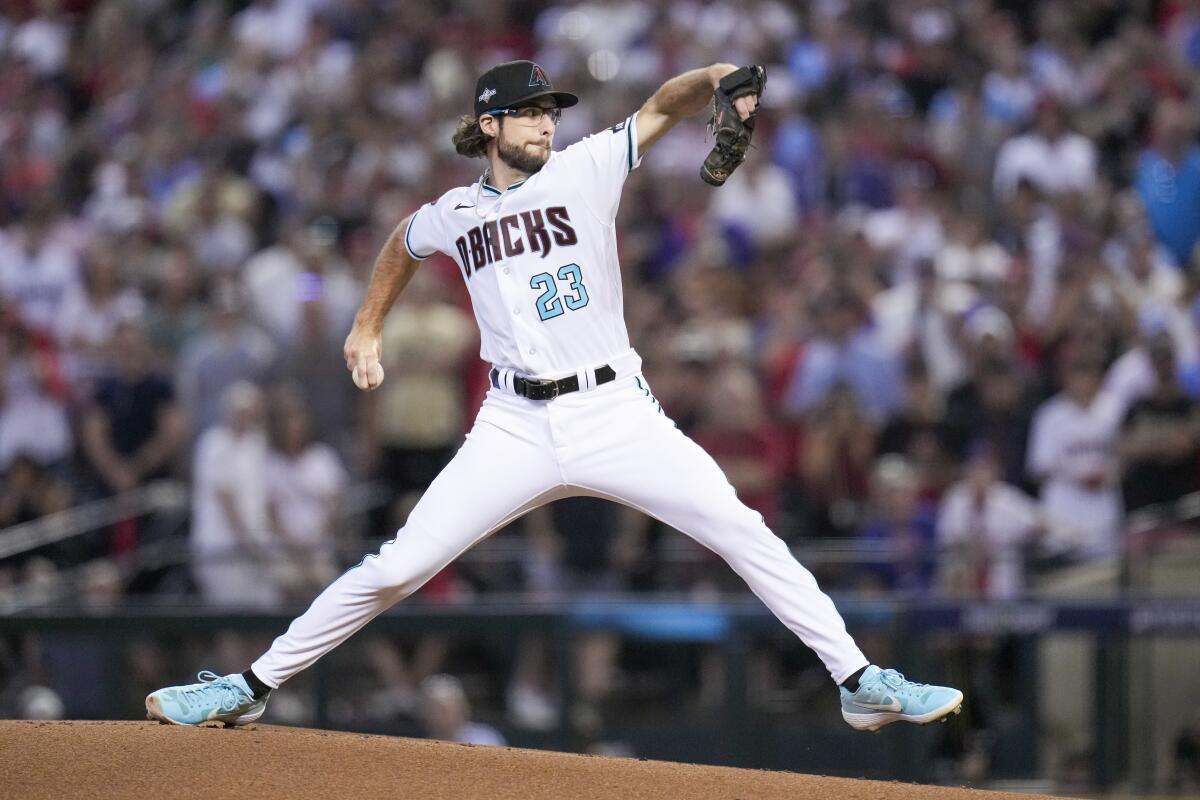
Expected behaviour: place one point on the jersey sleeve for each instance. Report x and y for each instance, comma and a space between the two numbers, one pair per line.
426, 231
600, 163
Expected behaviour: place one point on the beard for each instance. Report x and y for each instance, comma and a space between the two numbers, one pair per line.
518, 158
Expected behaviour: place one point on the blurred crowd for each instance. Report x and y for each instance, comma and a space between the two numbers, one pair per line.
945, 316
947, 310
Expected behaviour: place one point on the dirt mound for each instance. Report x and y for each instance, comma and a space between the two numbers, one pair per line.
96, 760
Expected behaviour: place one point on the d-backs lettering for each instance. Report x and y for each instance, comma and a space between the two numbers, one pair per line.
502, 238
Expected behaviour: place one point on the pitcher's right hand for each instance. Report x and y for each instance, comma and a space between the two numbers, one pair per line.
362, 352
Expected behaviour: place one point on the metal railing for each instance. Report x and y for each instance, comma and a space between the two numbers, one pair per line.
1146, 531
164, 499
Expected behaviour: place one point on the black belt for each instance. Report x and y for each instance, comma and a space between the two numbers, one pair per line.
550, 389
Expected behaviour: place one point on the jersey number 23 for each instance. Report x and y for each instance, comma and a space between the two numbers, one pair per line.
549, 303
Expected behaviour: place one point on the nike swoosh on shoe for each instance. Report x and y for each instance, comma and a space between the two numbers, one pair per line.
894, 705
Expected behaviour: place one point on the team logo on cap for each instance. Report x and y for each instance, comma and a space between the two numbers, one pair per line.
488, 94
538, 77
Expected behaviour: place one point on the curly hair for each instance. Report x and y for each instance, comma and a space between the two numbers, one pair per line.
469, 139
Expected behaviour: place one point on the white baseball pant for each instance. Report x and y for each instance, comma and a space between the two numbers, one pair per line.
612, 441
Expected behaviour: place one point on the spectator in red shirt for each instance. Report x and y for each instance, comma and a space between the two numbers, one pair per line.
736, 431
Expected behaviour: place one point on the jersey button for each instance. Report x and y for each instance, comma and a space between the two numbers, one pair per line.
507, 270
532, 350
517, 310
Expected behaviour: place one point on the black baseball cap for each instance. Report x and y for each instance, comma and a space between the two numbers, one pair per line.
514, 83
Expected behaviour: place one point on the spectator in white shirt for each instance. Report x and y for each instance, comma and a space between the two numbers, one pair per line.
1143, 268
760, 201
1132, 377
984, 526
33, 409
231, 539
91, 313
305, 267
1053, 157
910, 231
305, 479
1072, 452
39, 268
970, 258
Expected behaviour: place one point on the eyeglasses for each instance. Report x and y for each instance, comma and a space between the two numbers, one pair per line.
529, 115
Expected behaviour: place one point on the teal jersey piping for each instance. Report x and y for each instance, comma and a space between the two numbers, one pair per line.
629, 141
407, 232
491, 188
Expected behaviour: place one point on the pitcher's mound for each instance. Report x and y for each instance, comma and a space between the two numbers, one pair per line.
95, 760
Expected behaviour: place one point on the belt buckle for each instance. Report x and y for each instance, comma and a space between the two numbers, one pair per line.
545, 389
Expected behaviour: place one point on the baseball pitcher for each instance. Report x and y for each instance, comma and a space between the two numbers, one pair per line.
569, 411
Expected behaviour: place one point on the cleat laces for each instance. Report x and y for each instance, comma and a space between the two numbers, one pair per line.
228, 695
897, 681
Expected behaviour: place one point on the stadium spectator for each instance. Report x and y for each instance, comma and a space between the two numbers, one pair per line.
28, 491
1072, 454
306, 267
995, 406
760, 204
910, 231
39, 702
305, 479
735, 430
845, 352
900, 526
229, 350
1160, 436
711, 326
1051, 156
971, 263
39, 266
920, 318
985, 528
416, 419
231, 542
1168, 179
314, 365
214, 215
1008, 92
173, 316
836, 447
1145, 268
920, 433
91, 313
131, 429
33, 407
1032, 227
1133, 375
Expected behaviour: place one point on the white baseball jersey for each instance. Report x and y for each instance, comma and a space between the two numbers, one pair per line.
540, 259
1066, 444
1004, 521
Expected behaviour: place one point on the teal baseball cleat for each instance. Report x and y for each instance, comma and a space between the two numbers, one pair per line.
214, 699
884, 696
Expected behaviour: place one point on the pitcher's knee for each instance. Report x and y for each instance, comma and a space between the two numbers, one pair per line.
405, 564
741, 535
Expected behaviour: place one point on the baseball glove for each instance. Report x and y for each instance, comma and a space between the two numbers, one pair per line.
731, 131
